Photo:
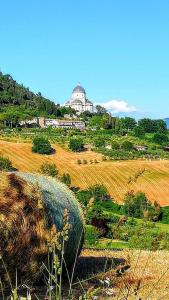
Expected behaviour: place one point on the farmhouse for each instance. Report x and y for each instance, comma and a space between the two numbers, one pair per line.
43, 122
29, 123
79, 101
55, 123
141, 148
166, 148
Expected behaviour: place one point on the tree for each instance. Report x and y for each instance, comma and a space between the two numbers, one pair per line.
99, 142
100, 110
49, 169
115, 145
41, 145
76, 144
127, 146
139, 132
161, 126
148, 125
96, 122
118, 126
160, 138
151, 126
5, 164
138, 206
66, 179
106, 121
99, 192
128, 123
15, 95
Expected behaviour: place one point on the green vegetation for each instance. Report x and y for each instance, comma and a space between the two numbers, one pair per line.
152, 126
115, 145
49, 169
41, 145
127, 146
66, 179
137, 223
134, 154
99, 142
138, 206
76, 145
139, 132
19, 103
160, 138
5, 164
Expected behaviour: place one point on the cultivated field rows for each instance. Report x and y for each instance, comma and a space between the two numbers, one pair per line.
114, 175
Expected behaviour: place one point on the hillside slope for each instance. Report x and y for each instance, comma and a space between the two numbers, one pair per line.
114, 175
14, 94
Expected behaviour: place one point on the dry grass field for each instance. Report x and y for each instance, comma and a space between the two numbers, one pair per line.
114, 175
133, 274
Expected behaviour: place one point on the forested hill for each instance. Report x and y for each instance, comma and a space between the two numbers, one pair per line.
12, 93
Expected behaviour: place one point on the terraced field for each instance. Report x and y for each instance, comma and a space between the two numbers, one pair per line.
114, 175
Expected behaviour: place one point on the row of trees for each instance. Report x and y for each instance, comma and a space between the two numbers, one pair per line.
123, 125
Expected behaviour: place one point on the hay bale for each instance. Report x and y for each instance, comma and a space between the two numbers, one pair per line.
30, 207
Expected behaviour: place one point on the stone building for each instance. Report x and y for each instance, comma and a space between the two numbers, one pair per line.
43, 122
79, 101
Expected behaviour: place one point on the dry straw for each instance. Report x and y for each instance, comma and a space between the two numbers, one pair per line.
31, 208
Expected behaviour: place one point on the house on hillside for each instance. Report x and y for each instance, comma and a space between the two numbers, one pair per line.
166, 148
43, 122
141, 148
29, 123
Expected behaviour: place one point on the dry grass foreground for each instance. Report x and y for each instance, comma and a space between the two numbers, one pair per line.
146, 278
114, 175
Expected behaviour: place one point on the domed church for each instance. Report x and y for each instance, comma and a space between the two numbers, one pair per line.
78, 100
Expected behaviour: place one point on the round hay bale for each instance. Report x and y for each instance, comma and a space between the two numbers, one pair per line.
32, 208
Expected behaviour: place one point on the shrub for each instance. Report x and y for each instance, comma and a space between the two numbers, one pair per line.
76, 145
79, 162
41, 145
99, 142
139, 132
5, 164
49, 169
138, 206
165, 215
160, 138
127, 146
104, 158
91, 235
84, 161
115, 145
83, 197
66, 179
99, 192
112, 206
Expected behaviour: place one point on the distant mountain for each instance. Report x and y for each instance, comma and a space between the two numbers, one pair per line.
167, 122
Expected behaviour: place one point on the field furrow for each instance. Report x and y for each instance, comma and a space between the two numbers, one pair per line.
114, 175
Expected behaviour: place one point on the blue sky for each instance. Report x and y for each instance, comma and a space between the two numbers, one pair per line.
117, 49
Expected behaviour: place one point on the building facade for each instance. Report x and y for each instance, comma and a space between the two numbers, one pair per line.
43, 122
79, 101
56, 123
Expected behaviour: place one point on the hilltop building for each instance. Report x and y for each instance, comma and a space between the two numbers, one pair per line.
79, 101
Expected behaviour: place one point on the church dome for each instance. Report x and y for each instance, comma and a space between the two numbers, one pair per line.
79, 89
